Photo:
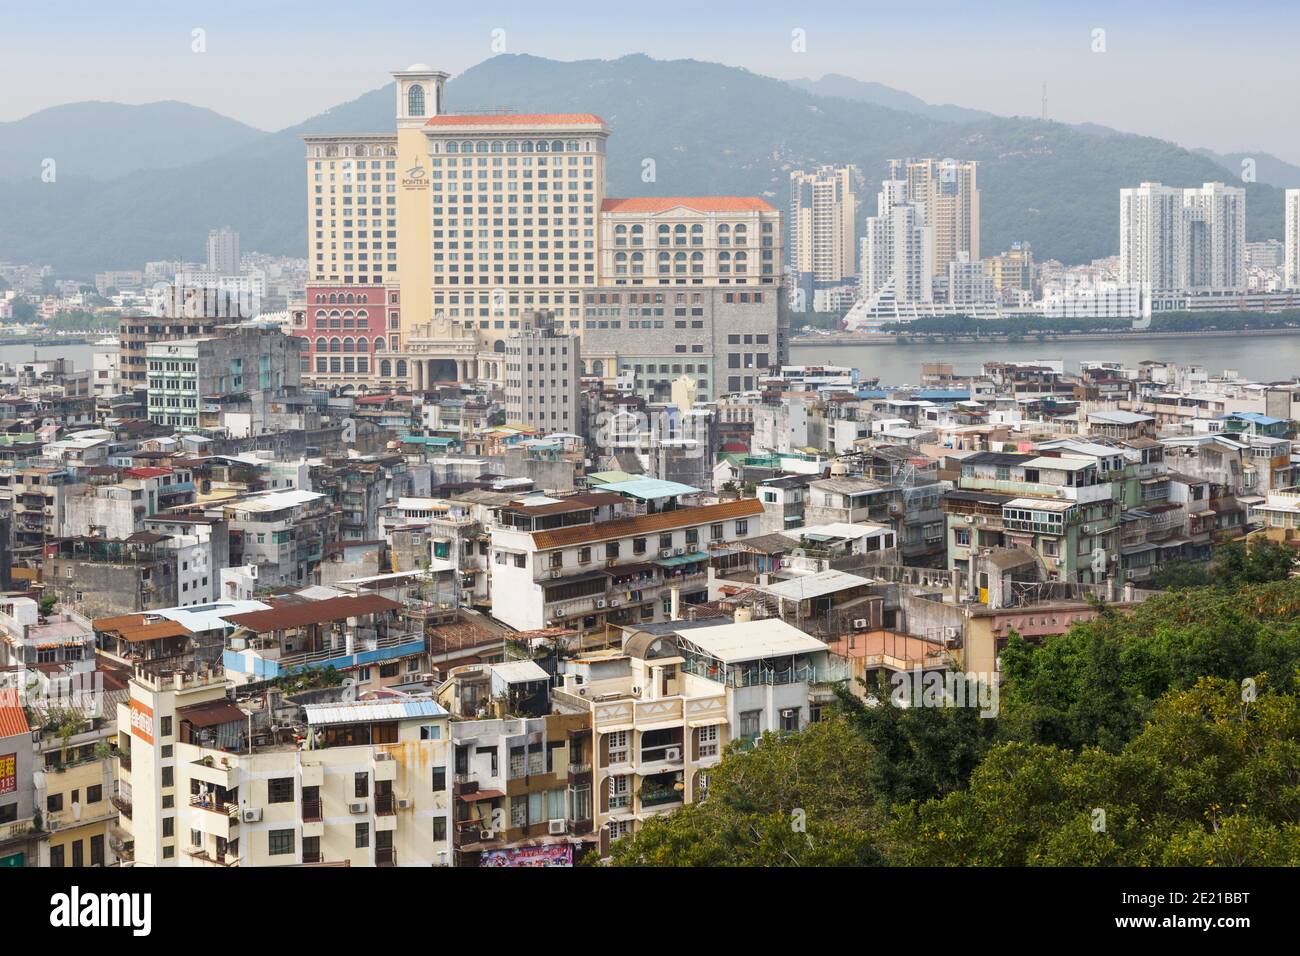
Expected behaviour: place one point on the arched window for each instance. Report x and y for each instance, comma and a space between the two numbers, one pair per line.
741, 262
620, 263
321, 344
512, 146
401, 368
665, 235
638, 263
386, 368
679, 263
348, 344
481, 147
724, 263
363, 345
697, 263
496, 146
664, 263
498, 346
697, 235
379, 344
453, 148
336, 345
638, 234
415, 100
679, 235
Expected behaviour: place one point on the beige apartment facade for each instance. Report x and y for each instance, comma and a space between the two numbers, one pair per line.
950, 190
366, 783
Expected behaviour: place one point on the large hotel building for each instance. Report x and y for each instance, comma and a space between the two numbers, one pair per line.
430, 247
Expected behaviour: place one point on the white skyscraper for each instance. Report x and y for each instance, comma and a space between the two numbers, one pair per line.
1216, 230
898, 248
223, 252
1183, 240
1291, 259
822, 207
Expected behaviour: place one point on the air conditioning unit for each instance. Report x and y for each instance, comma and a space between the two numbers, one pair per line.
555, 827
615, 603
404, 804
611, 562
787, 712
251, 816
679, 551
859, 623
600, 602
970, 519
357, 807
554, 575
666, 553
673, 753
486, 834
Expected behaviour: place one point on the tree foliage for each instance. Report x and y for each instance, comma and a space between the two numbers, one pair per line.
1169, 736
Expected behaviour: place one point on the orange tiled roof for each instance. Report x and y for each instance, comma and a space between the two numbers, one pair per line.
697, 203
12, 719
515, 119
644, 524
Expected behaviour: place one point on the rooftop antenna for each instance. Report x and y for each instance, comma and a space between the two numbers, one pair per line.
1044, 103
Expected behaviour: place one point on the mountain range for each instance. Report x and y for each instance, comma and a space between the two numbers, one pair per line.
147, 182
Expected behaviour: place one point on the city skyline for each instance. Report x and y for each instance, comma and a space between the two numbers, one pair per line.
1089, 75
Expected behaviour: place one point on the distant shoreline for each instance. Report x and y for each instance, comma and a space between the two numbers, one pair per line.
931, 338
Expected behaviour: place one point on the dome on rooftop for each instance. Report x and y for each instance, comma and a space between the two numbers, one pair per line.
418, 68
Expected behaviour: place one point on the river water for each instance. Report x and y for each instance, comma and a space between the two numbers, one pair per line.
1260, 357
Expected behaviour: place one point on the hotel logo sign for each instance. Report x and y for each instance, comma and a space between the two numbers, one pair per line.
417, 177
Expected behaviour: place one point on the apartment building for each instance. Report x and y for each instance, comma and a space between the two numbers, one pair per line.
1063, 509
77, 788
522, 788
188, 377
282, 533
581, 563
950, 192
543, 367
21, 838
136, 332
664, 707
1183, 240
822, 210
898, 248
208, 783
1291, 240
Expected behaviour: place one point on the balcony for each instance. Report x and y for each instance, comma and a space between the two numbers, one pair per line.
122, 806
312, 811
464, 783
313, 857
385, 856
385, 804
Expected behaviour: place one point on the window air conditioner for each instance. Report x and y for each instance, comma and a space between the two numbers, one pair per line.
252, 816
357, 807
556, 827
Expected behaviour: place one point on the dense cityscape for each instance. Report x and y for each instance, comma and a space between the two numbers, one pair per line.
514, 523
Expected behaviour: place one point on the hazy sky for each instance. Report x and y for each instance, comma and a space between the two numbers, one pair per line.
1218, 75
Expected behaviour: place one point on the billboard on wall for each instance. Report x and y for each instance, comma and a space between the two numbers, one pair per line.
552, 854
142, 720
8, 773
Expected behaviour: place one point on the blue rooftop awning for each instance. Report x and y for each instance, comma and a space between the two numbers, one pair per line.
682, 559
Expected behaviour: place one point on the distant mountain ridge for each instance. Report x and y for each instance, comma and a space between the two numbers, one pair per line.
104, 141
846, 87
711, 129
